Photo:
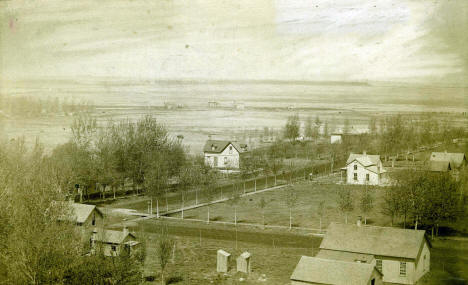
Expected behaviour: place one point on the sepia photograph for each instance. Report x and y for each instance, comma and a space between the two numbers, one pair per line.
193, 142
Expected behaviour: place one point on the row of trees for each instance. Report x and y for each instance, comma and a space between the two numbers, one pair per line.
33, 107
425, 198
122, 153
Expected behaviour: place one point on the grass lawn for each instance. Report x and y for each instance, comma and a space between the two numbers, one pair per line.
304, 212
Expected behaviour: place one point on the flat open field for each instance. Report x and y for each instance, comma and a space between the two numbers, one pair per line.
266, 104
304, 212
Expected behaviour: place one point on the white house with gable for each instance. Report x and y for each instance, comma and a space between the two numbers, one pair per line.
364, 169
223, 154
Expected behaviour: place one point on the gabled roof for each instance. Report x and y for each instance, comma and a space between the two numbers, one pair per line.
439, 166
111, 236
218, 146
456, 159
79, 213
381, 241
364, 159
327, 271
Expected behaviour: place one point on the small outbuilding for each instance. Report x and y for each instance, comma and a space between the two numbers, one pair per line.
223, 259
113, 243
243, 262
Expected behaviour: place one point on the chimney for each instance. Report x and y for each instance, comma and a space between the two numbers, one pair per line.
359, 221
125, 230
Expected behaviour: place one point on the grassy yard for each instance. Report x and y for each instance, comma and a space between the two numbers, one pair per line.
304, 212
195, 261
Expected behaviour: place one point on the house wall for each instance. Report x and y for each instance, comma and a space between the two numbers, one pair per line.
424, 263
87, 227
226, 159
391, 271
335, 139
361, 171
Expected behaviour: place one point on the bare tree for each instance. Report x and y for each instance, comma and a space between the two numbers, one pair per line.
321, 212
366, 203
345, 202
262, 204
164, 250
291, 200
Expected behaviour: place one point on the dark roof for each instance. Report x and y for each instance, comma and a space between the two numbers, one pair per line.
439, 166
381, 241
328, 271
455, 159
218, 146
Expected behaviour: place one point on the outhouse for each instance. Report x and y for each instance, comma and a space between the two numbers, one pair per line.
243, 262
223, 261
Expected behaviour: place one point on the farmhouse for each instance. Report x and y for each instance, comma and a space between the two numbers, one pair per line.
401, 255
364, 169
315, 270
83, 215
223, 154
112, 243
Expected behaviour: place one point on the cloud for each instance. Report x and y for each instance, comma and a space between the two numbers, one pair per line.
283, 39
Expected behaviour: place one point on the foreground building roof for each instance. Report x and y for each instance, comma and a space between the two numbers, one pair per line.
326, 271
380, 241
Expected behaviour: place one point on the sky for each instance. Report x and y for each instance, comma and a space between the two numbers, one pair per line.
419, 41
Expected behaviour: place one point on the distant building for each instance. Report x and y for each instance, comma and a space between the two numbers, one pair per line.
223, 154
457, 160
336, 138
314, 270
364, 169
213, 104
112, 243
401, 255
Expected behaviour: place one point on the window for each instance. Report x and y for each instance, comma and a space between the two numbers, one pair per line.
378, 264
372, 281
402, 268
367, 177
114, 248
355, 176
93, 222
355, 167
225, 160
425, 263
230, 149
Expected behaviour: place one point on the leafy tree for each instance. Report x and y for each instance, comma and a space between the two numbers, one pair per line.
291, 130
